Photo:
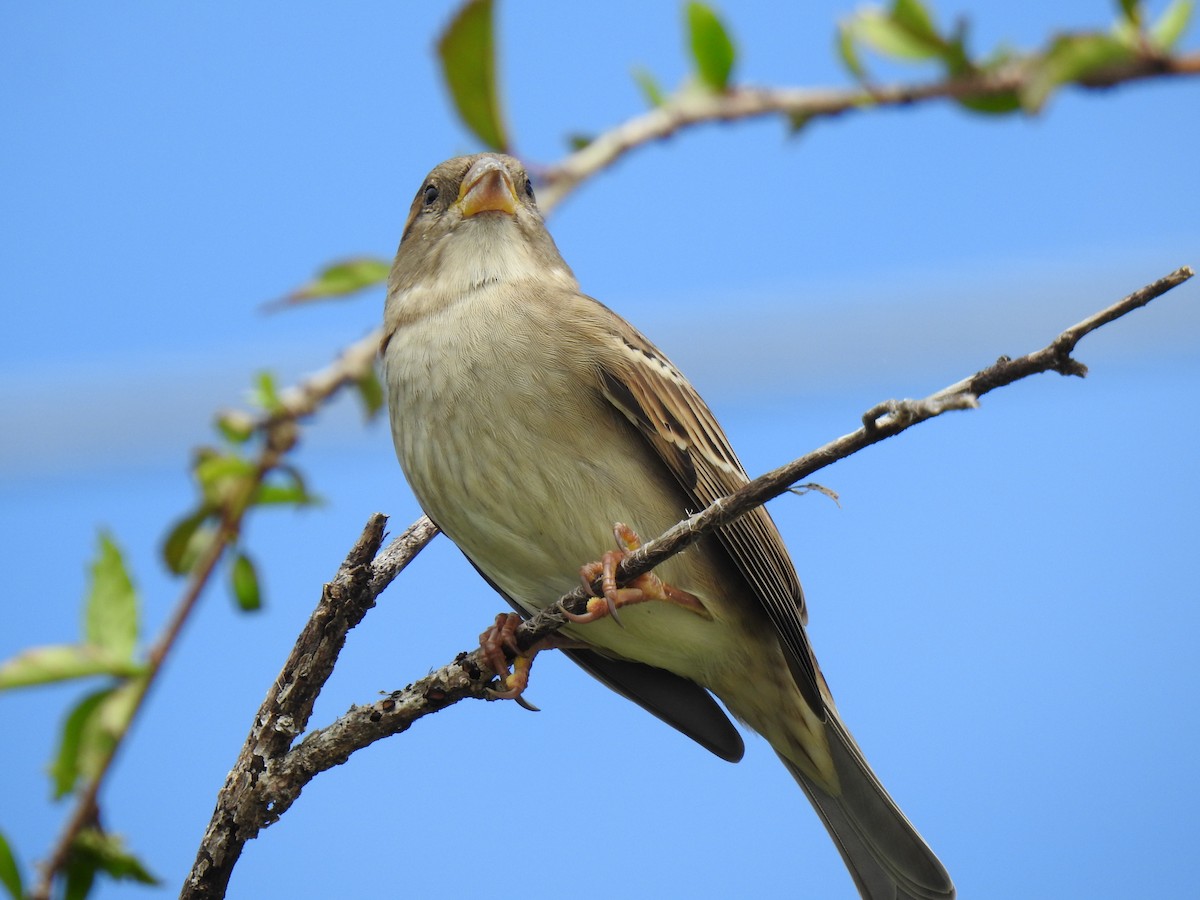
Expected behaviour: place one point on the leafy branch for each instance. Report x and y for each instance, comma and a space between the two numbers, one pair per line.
1002, 82
230, 485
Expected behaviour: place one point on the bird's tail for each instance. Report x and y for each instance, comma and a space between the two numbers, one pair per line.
882, 850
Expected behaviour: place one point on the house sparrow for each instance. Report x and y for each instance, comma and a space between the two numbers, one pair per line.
529, 419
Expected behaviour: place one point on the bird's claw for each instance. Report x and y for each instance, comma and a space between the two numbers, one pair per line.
495, 644
641, 589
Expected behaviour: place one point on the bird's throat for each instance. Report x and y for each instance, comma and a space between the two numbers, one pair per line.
491, 249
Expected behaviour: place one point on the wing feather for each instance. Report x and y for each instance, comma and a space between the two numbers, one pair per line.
643, 384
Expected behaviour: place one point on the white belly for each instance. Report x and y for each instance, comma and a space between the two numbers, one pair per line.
498, 461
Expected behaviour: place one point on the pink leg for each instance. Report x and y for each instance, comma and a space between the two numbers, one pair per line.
641, 589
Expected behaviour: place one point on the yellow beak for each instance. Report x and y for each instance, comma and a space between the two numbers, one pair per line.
487, 187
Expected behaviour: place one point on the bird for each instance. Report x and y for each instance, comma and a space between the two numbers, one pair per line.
533, 424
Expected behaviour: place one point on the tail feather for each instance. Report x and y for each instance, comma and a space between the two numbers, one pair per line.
882, 850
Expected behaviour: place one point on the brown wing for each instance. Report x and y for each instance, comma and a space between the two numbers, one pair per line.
643, 384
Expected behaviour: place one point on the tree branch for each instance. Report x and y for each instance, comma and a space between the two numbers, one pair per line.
253, 795
268, 777
689, 109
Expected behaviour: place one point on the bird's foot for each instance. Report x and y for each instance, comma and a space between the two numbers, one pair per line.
643, 588
499, 640
496, 642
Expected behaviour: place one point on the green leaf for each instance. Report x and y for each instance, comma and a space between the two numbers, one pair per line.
186, 540
370, 393
346, 277
279, 495
62, 662
265, 393
244, 580
848, 50
110, 614
954, 54
93, 728
1132, 11
914, 18
235, 426
338, 279
293, 490
214, 468
578, 140
1071, 58
97, 851
467, 52
649, 86
81, 875
712, 49
116, 712
10, 872
888, 37
797, 121
1128, 34
77, 748
907, 31
993, 105
223, 477
1166, 32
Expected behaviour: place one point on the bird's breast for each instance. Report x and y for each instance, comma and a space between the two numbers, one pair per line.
510, 446
495, 427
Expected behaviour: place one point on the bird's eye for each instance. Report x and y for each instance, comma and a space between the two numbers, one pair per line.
431, 194
528, 188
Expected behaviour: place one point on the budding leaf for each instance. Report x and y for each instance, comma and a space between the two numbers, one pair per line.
235, 427
1132, 11
712, 48
1166, 32
848, 50
265, 393
650, 88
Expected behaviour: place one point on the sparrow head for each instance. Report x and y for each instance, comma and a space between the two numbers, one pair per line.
475, 221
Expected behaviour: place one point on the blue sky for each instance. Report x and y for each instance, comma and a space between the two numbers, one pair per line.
1004, 603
